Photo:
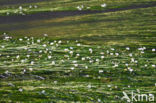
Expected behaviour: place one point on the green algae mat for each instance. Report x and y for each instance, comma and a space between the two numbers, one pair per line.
77, 51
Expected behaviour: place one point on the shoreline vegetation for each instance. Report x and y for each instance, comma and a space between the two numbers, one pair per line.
54, 6
44, 70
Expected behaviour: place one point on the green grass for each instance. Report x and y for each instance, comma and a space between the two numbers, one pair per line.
111, 28
65, 5
45, 82
100, 67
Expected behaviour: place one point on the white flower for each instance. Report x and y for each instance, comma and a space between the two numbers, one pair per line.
24, 70
71, 52
126, 64
51, 43
66, 50
116, 87
40, 51
153, 66
107, 51
109, 86
140, 49
127, 48
79, 44
153, 50
116, 65
132, 60
43, 91
88, 7
53, 62
72, 68
79, 8
44, 45
49, 57
2, 46
74, 61
99, 100
55, 82
7, 37
136, 61
116, 54
17, 56
25, 48
97, 60
102, 57
112, 49
77, 54
20, 7
20, 39
86, 75
100, 71
22, 61
28, 56
30, 6
103, 5
151, 95
8, 13
38, 41
62, 61
31, 69
88, 57
59, 41
71, 47
45, 34
111, 53
89, 86
20, 90
32, 63
144, 48
86, 67
75, 65
130, 69
35, 6
130, 55
90, 49
91, 61
6, 72
83, 58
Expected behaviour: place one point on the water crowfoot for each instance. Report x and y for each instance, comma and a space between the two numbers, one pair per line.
57, 67
103, 5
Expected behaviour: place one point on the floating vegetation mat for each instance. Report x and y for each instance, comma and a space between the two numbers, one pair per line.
44, 70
